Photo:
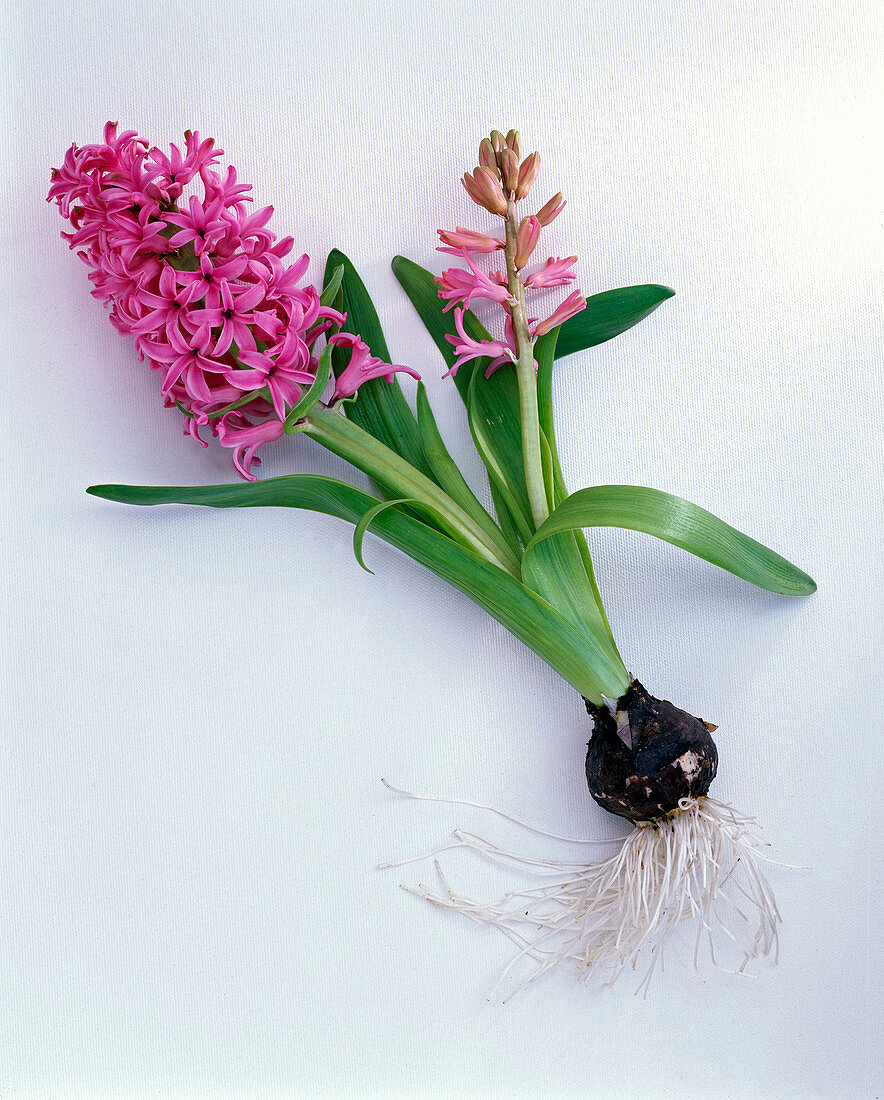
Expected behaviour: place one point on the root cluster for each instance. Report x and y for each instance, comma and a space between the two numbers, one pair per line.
700, 864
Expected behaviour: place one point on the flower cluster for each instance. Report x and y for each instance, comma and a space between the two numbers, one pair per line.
500, 181
200, 283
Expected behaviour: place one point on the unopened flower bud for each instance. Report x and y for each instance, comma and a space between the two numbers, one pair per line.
486, 155
512, 141
526, 239
485, 190
527, 175
498, 141
551, 210
509, 169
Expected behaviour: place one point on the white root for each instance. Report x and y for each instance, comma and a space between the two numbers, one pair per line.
698, 864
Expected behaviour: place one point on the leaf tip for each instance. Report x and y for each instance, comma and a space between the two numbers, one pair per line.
105, 492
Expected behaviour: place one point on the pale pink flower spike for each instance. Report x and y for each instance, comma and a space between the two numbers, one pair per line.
497, 185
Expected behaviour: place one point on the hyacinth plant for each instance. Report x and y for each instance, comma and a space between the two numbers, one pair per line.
247, 355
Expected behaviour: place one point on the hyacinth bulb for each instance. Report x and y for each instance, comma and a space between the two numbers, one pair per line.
646, 755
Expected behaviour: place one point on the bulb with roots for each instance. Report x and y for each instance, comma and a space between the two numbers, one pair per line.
689, 861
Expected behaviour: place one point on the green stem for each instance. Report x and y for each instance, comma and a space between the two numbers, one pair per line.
347, 440
529, 414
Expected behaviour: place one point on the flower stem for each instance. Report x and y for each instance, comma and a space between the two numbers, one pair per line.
347, 440
529, 415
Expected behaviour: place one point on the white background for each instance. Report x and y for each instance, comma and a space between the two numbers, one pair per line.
199, 705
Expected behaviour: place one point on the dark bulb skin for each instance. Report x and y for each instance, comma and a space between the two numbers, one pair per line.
647, 755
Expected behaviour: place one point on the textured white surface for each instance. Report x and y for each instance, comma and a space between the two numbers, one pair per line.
199, 705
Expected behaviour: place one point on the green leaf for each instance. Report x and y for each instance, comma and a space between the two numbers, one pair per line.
493, 414
449, 477
366, 520
381, 408
505, 517
544, 356
362, 317
332, 286
545, 351
311, 397
675, 520
583, 664
608, 314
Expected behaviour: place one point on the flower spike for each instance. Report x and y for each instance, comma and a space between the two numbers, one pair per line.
500, 172
200, 288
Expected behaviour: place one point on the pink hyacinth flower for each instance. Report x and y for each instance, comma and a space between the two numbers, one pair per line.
200, 225
571, 306
363, 367
528, 171
283, 378
167, 309
501, 351
555, 272
180, 352
484, 189
233, 315
245, 439
460, 287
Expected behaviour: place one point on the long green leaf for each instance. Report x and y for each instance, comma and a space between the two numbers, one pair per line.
608, 314
311, 397
545, 351
505, 517
557, 570
366, 520
332, 286
675, 520
449, 477
493, 414
585, 666
380, 408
